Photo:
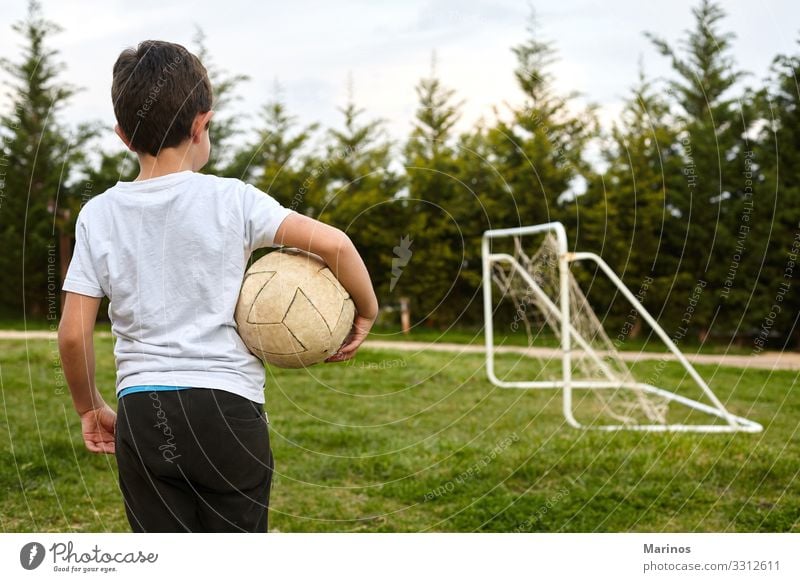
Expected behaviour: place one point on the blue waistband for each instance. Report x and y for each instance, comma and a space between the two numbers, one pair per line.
135, 389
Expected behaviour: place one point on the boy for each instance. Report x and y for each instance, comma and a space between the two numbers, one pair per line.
169, 250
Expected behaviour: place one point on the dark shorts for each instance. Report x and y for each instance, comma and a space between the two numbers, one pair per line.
196, 460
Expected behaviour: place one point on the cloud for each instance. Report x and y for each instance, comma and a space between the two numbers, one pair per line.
311, 46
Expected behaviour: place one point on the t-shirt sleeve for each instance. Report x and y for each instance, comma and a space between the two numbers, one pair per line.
262, 217
81, 275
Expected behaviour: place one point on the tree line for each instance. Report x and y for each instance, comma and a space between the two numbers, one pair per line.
694, 187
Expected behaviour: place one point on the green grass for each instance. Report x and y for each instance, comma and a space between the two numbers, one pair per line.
422, 442
459, 334
504, 336
41, 324
17, 324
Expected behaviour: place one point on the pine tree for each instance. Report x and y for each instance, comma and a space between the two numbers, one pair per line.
280, 162
224, 129
109, 169
359, 196
38, 155
712, 125
625, 215
773, 271
540, 152
487, 203
438, 202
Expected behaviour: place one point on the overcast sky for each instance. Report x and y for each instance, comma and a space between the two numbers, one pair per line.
311, 47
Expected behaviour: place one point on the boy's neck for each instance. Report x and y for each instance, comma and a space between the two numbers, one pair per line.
168, 161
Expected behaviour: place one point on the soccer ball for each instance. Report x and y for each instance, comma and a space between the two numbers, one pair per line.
292, 311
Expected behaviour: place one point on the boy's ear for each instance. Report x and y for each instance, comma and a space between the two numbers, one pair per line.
123, 137
200, 125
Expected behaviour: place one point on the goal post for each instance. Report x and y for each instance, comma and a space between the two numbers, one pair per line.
542, 281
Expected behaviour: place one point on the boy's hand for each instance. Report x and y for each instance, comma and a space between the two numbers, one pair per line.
98, 427
342, 258
357, 335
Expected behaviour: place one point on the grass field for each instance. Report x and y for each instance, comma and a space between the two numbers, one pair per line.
462, 335
503, 336
422, 442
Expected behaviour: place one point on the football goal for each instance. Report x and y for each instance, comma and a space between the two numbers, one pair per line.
569, 347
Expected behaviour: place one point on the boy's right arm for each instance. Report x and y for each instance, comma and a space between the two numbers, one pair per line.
341, 256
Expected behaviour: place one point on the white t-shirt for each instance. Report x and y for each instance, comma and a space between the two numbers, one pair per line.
170, 254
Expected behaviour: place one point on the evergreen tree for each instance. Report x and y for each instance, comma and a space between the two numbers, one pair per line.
438, 202
102, 174
712, 126
38, 156
225, 159
534, 162
541, 150
774, 269
625, 215
279, 158
359, 195
486, 202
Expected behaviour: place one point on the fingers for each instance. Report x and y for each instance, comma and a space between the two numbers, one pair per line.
99, 427
344, 353
353, 341
340, 357
101, 447
349, 348
352, 345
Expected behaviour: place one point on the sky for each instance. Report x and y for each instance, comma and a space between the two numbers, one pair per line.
310, 49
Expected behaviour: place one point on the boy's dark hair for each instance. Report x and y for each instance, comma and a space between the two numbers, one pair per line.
158, 89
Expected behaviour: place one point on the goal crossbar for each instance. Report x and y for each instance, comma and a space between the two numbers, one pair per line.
569, 335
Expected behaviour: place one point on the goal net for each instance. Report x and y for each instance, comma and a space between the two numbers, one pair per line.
568, 347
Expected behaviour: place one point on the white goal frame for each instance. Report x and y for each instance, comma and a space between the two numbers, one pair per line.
569, 335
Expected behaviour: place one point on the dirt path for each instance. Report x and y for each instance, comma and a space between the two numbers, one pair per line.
765, 360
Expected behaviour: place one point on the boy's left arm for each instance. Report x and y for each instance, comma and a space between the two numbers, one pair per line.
76, 346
